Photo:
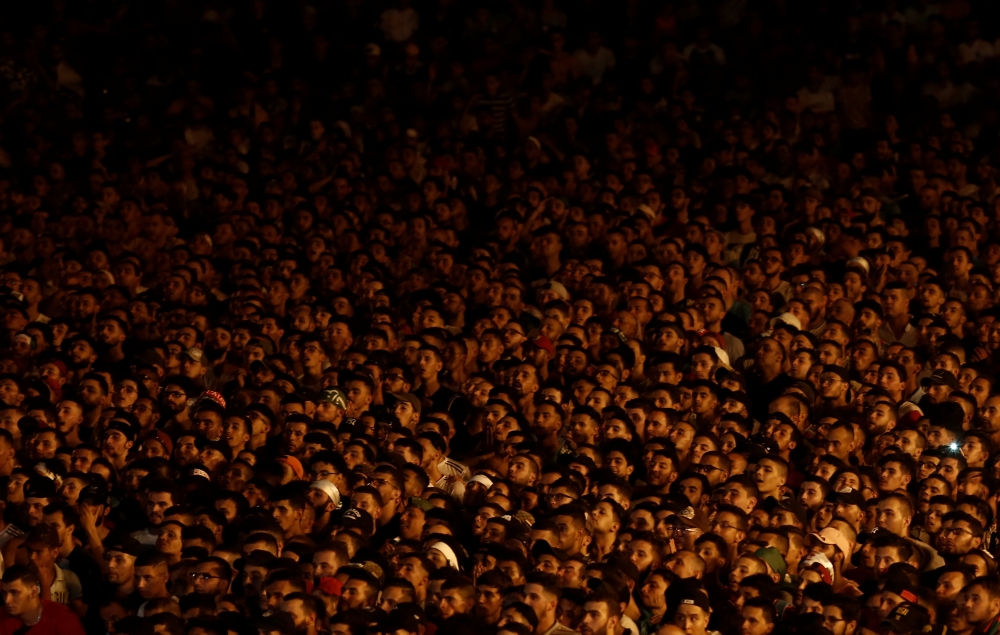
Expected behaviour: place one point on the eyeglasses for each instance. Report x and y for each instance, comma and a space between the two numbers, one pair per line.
956, 532
204, 577
560, 497
697, 467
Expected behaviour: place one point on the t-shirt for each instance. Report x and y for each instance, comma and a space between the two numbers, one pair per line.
56, 620
66, 586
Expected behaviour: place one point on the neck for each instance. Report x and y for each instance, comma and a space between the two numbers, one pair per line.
546, 623
769, 372
32, 615
604, 543
430, 385
388, 512
898, 322
433, 472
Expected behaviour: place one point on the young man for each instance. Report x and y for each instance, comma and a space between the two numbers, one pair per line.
27, 612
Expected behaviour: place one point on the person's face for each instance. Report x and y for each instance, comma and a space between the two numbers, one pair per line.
691, 619
892, 517
979, 606
19, 598
596, 620
151, 582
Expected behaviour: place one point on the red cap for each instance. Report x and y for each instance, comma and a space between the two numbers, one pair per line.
331, 586
545, 343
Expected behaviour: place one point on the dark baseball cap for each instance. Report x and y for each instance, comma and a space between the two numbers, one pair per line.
907, 617
94, 494
847, 496
127, 545
121, 426
543, 548
355, 518
40, 487
940, 377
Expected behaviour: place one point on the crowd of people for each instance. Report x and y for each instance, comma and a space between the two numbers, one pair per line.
508, 317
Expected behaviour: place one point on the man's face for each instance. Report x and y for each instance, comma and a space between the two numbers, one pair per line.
892, 517
354, 595
156, 507
754, 622
596, 620
208, 581
119, 567
19, 598
693, 620
979, 605
833, 620
489, 601
151, 582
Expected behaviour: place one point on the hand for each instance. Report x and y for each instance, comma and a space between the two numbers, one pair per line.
88, 516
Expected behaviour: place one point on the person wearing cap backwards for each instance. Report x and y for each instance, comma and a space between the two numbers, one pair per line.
26, 612
693, 612
119, 437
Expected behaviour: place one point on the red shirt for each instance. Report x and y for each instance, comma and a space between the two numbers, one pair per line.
56, 620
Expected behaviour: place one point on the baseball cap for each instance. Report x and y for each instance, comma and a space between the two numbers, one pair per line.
691, 517
833, 536
940, 377
907, 617
899, 583
293, 463
330, 586
543, 548
847, 496
120, 426
334, 396
355, 518
94, 494
408, 397
127, 545
773, 558
695, 597
839, 371
819, 562
194, 354
40, 487
792, 505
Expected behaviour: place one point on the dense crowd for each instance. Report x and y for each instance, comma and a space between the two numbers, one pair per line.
507, 317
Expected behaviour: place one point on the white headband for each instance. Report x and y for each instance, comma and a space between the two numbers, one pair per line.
483, 480
449, 553
329, 489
